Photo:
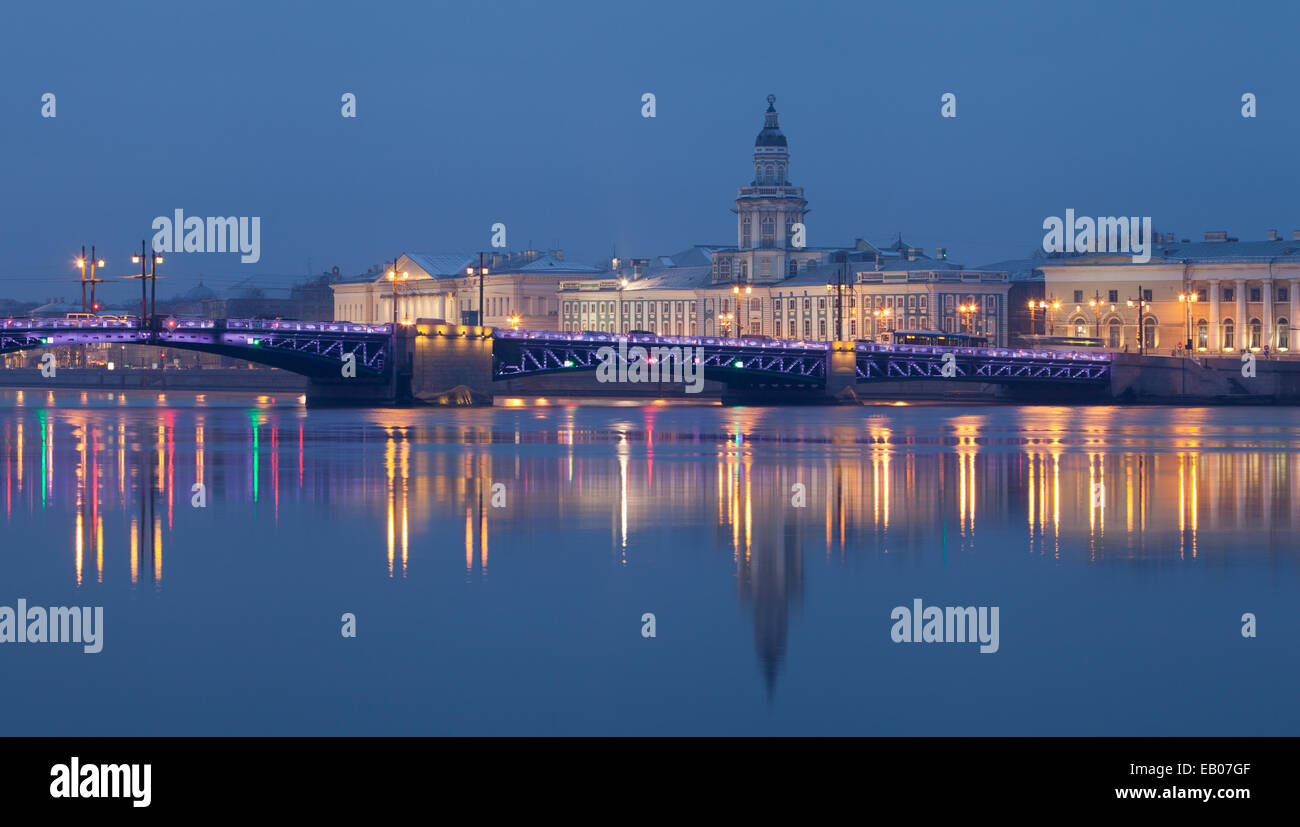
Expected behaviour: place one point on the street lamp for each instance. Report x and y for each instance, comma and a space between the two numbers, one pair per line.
725, 319
735, 289
1187, 300
838, 287
393, 279
481, 272
966, 310
622, 285
1141, 304
514, 322
1095, 304
81, 263
879, 316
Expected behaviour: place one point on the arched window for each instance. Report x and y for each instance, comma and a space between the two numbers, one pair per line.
771, 174
1149, 338
1202, 334
780, 173
1283, 335
1080, 326
768, 231
1256, 334
1228, 340
1114, 334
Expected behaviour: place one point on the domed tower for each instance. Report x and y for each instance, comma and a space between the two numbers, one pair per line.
768, 209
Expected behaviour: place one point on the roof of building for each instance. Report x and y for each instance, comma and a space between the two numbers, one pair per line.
550, 264
771, 134
441, 265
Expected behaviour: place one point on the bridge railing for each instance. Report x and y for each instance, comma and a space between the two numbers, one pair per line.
798, 344
70, 324
653, 339
993, 352
276, 324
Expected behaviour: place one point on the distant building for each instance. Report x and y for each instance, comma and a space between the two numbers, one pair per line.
767, 285
1246, 294
436, 286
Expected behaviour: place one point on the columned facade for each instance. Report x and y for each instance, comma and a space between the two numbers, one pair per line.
1232, 297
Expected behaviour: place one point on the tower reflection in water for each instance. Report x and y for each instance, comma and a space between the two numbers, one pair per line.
1030, 482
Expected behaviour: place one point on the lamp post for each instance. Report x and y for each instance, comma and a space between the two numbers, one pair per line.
838, 287
393, 278
735, 290
622, 285
966, 310
879, 316
94, 262
1095, 304
481, 272
725, 319
1141, 305
1187, 300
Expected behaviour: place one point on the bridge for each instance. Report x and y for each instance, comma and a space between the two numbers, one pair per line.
392, 364
317, 350
794, 367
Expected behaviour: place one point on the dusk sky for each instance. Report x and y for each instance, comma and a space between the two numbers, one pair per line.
530, 114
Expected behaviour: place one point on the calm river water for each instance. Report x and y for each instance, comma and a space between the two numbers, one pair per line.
499, 563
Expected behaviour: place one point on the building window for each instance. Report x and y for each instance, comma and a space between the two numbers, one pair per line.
821, 328
1114, 334
745, 234
724, 269
990, 304
1078, 296
948, 324
1080, 328
1228, 341
1256, 334
1202, 334
948, 303
793, 269
1282, 294
807, 305
1149, 333
765, 268
922, 302
911, 302
769, 231
853, 328
1227, 294
1146, 295
1112, 296
1283, 335
821, 304
807, 328
1254, 294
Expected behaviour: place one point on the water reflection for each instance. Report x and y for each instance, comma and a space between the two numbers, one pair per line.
1094, 487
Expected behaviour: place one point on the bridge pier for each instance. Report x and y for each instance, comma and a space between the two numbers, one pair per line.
451, 364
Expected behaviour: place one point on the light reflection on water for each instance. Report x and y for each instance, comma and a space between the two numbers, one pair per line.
597, 512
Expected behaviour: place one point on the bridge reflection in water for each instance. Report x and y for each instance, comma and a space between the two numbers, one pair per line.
652, 486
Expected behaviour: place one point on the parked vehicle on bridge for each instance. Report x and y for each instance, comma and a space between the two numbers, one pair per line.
82, 316
934, 338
